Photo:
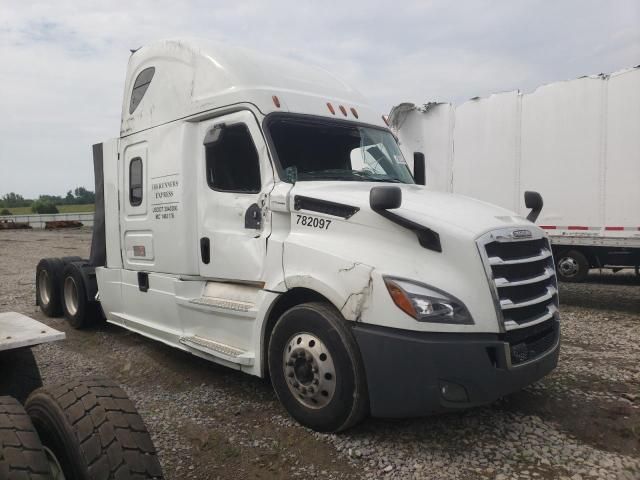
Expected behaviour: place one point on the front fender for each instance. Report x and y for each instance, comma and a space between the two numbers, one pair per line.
347, 284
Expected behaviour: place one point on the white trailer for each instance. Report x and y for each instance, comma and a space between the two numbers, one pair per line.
575, 142
258, 213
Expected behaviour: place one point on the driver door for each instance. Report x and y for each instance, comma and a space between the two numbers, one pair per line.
235, 175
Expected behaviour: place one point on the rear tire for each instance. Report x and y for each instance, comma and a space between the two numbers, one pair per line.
66, 260
572, 266
78, 310
48, 297
22, 456
94, 431
19, 373
316, 368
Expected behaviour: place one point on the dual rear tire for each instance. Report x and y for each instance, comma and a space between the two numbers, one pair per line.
61, 288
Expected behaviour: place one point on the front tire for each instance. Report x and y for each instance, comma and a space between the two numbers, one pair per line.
93, 431
572, 266
316, 368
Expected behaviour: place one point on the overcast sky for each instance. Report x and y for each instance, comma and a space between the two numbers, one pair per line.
63, 62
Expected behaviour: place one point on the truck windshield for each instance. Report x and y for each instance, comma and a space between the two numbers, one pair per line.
325, 150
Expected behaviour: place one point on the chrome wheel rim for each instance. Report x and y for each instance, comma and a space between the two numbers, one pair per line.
309, 370
54, 465
43, 287
568, 267
71, 295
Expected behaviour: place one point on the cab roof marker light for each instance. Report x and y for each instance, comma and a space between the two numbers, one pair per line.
343, 110
276, 101
354, 112
330, 107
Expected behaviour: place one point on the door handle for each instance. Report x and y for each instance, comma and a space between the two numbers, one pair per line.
253, 217
205, 250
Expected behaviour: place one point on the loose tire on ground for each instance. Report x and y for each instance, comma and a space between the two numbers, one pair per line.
19, 373
48, 296
21, 454
79, 311
94, 431
316, 368
572, 266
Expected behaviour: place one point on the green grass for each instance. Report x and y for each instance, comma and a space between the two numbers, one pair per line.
77, 208
61, 208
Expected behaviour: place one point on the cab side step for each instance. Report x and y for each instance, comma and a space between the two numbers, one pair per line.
219, 350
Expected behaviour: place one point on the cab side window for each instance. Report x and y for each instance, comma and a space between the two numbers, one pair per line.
232, 161
135, 182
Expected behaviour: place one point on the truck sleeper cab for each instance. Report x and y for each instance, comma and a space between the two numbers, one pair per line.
258, 213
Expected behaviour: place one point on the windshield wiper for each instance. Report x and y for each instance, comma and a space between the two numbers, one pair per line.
341, 174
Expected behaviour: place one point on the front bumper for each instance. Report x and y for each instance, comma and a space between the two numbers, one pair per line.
413, 373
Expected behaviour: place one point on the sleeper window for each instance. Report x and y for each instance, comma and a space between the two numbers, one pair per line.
232, 161
143, 80
135, 182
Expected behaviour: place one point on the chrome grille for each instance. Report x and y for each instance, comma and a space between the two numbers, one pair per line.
522, 277
529, 343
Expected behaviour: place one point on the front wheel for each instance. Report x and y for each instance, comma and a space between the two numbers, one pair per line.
316, 368
572, 266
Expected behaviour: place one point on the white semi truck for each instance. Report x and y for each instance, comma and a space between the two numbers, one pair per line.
258, 213
575, 142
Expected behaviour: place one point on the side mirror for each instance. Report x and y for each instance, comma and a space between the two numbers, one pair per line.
533, 200
419, 168
385, 198
214, 135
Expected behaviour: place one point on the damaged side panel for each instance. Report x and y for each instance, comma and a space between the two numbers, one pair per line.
346, 284
359, 275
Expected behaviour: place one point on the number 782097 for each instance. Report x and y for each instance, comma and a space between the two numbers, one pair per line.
313, 222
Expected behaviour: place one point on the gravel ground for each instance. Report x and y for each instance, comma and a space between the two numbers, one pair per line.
581, 422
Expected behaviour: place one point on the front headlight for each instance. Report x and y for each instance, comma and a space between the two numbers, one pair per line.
427, 304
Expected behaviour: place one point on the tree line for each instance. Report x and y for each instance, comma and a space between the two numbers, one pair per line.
46, 203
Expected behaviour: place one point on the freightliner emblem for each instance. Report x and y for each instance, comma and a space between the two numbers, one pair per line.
521, 234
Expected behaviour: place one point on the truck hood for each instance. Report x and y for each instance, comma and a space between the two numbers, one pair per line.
428, 208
